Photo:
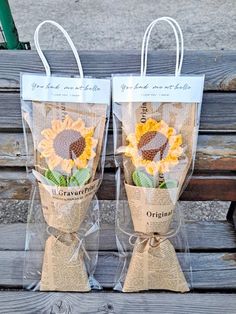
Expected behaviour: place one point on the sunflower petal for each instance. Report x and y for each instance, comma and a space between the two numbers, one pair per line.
56, 125
78, 125
67, 165
80, 163
151, 125
67, 122
48, 134
54, 161
47, 152
131, 138
45, 144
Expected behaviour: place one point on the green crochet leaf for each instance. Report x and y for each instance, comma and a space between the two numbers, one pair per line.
142, 179
80, 177
55, 177
169, 184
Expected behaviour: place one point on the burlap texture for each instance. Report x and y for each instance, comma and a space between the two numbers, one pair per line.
157, 266
154, 265
63, 266
64, 208
151, 209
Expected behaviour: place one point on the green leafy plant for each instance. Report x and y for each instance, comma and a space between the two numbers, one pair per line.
142, 179
55, 177
79, 178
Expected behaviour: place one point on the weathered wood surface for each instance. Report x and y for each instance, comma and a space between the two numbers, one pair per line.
202, 236
218, 112
15, 185
214, 152
108, 303
218, 66
215, 271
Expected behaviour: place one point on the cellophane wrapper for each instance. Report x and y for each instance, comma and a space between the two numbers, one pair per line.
155, 147
65, 146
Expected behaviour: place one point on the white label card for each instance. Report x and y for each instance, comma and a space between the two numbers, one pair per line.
157, 88
65, 89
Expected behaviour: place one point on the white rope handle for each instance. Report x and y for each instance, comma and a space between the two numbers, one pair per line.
70, 42
179, 44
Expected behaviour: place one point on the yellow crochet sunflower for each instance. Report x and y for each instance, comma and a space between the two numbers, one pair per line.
154, 146
67, 144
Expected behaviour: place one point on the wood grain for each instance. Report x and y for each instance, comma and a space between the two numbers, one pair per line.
214, 152
210, 270
108, 303
218, 66
202, 236
218, 112
15, 185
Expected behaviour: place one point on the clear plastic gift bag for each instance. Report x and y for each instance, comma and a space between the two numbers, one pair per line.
65, 121
156, 121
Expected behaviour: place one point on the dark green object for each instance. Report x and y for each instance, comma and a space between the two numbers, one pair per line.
9, 30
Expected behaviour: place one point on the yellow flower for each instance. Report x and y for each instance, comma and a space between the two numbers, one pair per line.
154, 146
67, 144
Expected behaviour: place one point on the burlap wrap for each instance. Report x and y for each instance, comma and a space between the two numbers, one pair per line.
154, 264
151, 208
64, 208
63, 266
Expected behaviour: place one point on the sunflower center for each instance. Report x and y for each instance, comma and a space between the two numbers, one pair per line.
69, 144
153, 146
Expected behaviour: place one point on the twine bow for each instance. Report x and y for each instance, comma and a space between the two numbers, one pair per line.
154, 239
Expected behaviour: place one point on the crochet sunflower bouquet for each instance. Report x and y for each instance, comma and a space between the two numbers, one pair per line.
65, 123
156, 121
157, 149
68, 145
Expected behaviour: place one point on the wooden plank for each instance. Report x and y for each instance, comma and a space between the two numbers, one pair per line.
98, 302
91, 303
218, 111
214, 152
15, 185
210, 270
202, 236
218, 66
203, 188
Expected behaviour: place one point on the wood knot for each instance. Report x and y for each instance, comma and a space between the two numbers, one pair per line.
106, 309
60, 307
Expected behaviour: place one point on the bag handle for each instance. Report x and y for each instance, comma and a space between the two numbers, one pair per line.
179, 44
42, 56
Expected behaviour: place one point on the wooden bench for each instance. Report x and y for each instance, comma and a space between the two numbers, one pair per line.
212, 244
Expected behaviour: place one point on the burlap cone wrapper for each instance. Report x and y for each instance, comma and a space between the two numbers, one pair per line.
64, 208
154, 264
63, 267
